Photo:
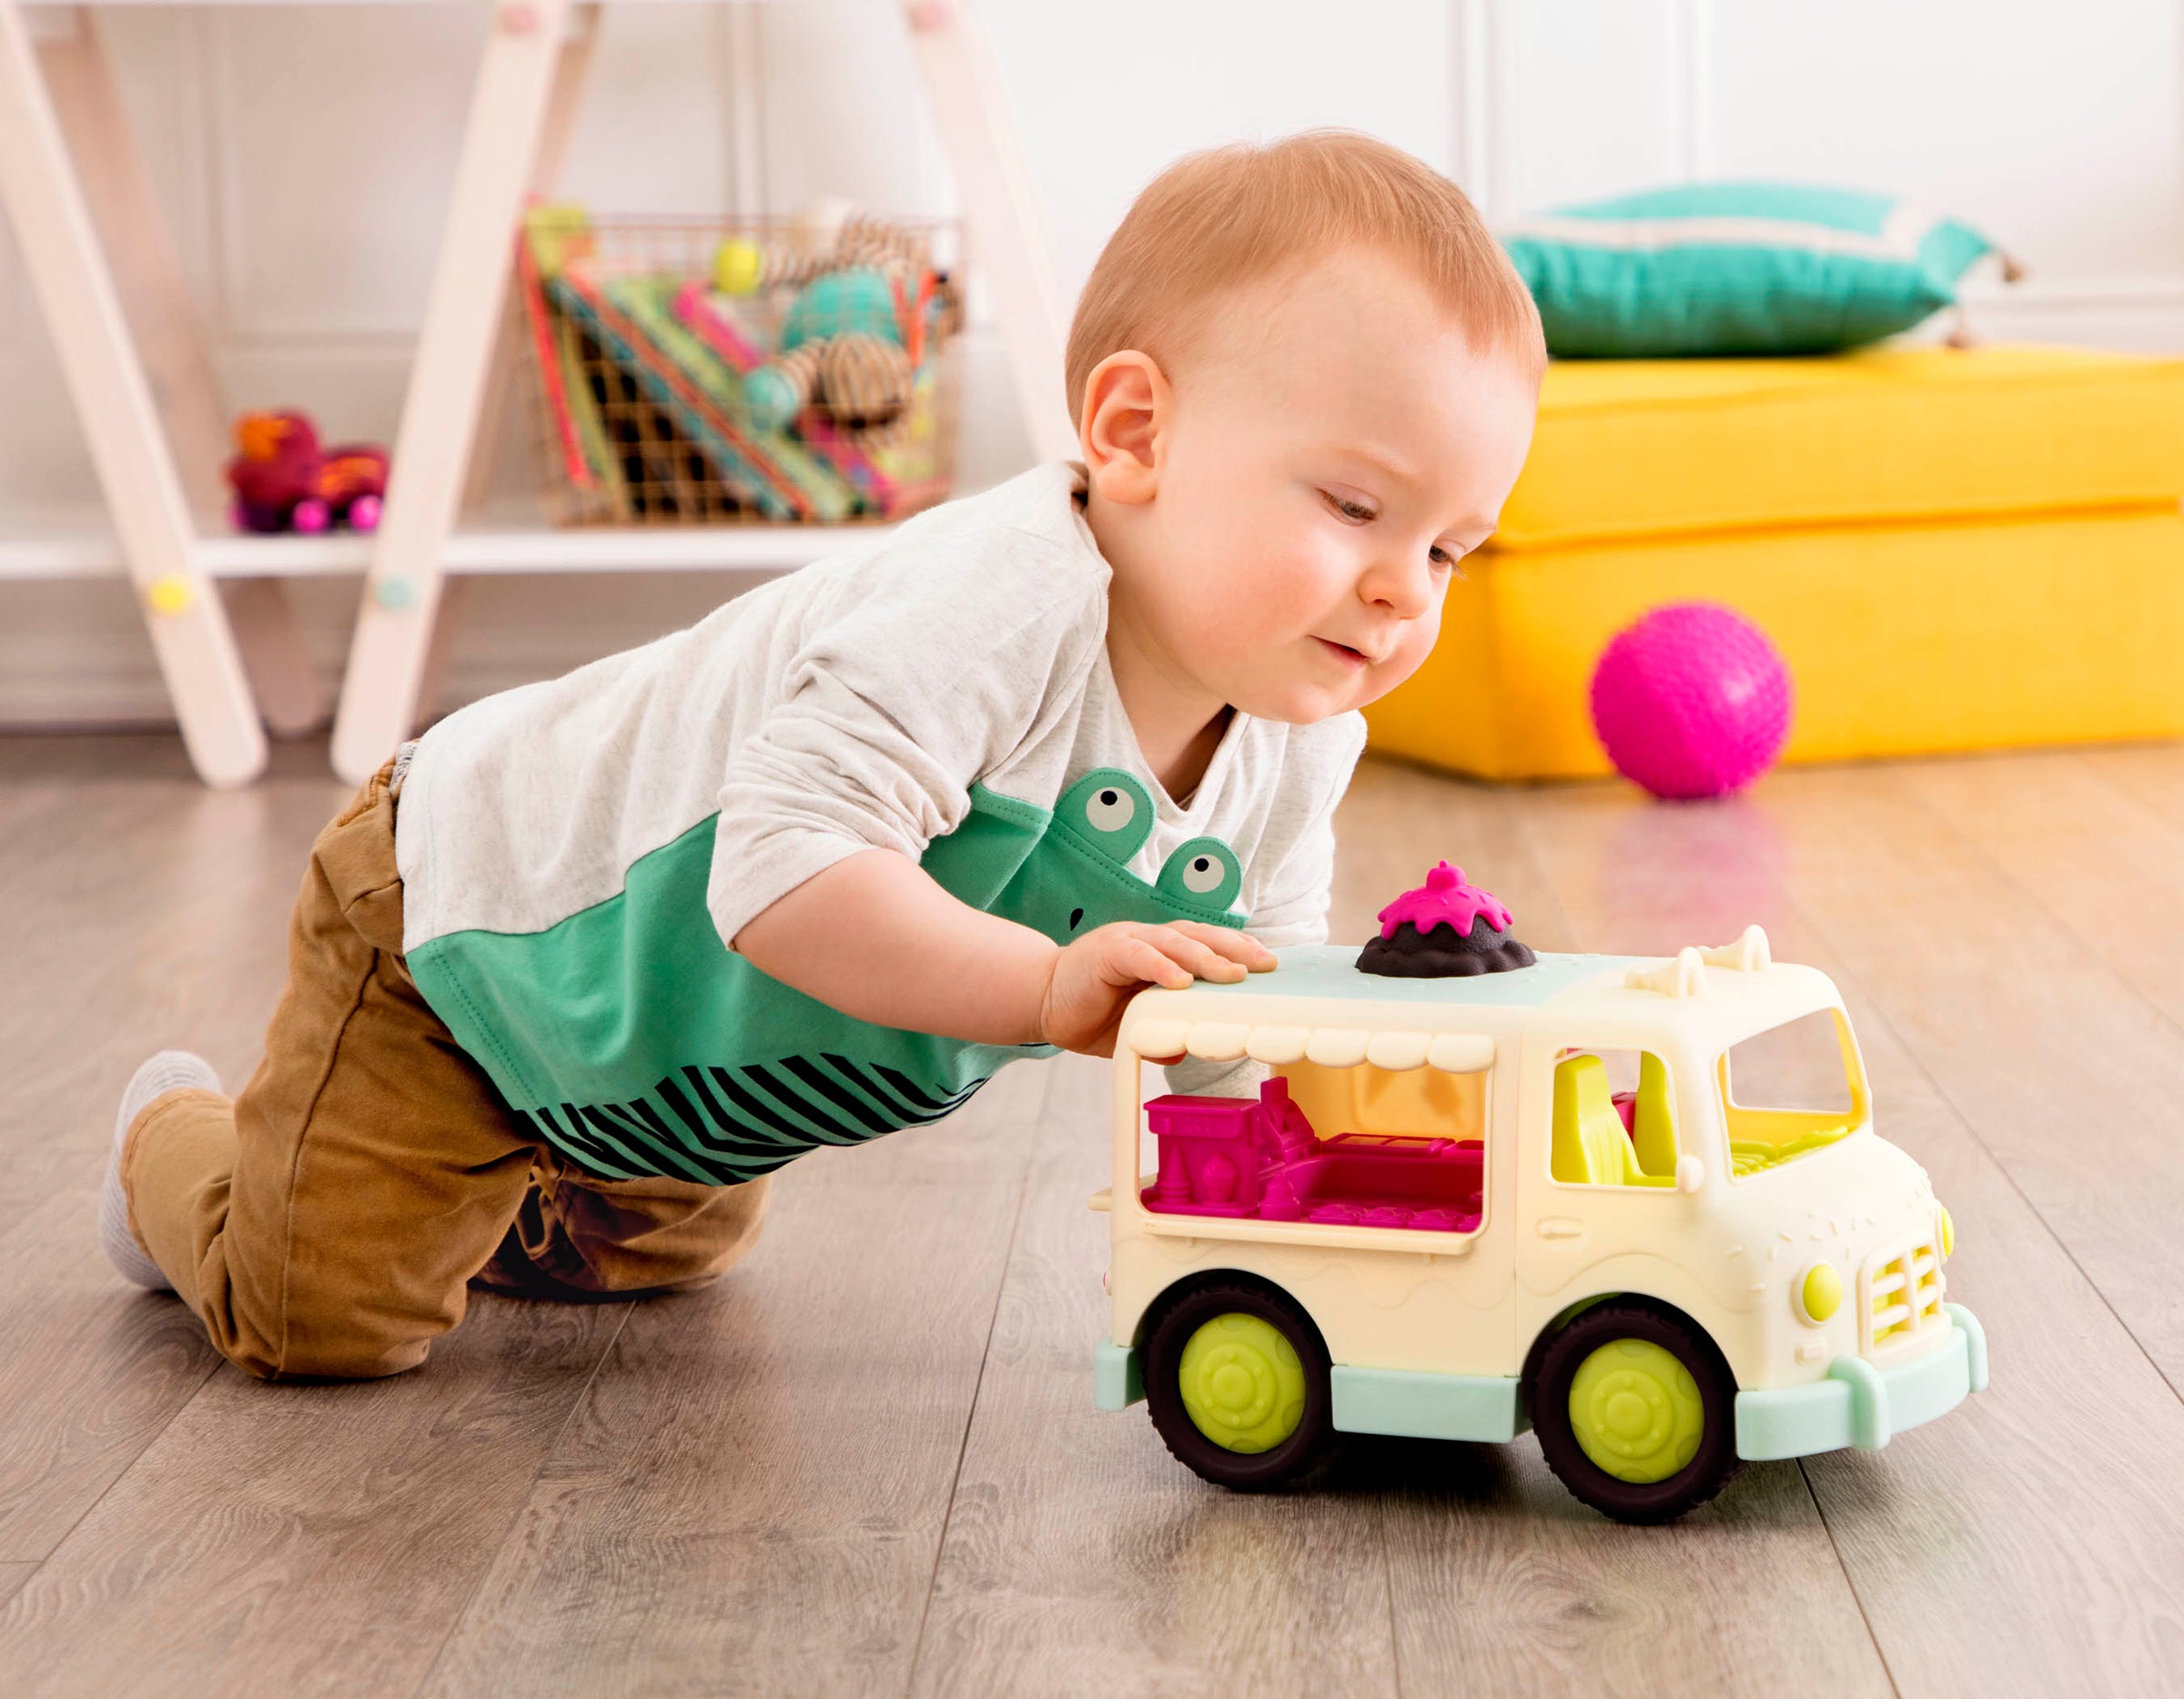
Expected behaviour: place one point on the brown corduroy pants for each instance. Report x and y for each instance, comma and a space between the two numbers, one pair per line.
328, 1220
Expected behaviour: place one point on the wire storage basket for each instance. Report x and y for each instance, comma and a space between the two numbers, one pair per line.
725, 371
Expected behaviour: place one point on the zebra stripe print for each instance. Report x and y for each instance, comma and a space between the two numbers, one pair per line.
718, 1129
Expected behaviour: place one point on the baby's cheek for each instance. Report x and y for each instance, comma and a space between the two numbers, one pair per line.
1238, 618
1290, 597
1411, 653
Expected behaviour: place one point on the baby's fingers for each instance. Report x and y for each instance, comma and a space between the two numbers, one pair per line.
1189, 951
1236, 946
1138, 957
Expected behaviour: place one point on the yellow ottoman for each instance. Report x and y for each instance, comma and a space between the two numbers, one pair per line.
1954, 549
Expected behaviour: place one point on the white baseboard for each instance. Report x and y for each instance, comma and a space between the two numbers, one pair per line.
73, 655
2144, 315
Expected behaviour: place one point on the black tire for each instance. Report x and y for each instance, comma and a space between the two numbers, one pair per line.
1715, 1463
1206, 1457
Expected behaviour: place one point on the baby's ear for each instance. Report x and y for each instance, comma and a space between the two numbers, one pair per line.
1126, 408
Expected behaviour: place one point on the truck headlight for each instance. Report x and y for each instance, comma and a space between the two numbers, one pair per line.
1818, 1293
1945, 1234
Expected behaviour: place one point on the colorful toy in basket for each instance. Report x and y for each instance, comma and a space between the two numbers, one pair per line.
1440, 1219
743, 266
796, 381
861, 382
283, 480
1691, 700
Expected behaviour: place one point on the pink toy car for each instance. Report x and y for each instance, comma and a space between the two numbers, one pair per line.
284, 481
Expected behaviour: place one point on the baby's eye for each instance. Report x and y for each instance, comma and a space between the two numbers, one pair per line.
1353, 512
1446, 561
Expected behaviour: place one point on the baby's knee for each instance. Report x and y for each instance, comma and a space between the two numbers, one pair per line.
330, 1361
327, 1335
361, 1355
357, 1362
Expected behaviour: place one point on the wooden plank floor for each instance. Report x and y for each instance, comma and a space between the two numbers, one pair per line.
868, 1463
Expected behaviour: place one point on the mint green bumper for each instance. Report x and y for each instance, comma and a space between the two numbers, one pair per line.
1118, 1376
1861, 1404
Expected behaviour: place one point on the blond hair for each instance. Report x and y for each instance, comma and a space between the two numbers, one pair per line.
1232, 214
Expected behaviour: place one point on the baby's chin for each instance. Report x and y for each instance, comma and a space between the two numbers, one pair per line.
1279, 689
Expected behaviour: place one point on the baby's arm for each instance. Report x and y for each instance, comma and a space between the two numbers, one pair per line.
876, 937
946, 660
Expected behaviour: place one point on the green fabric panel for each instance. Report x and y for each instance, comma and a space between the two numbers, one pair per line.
637, 1043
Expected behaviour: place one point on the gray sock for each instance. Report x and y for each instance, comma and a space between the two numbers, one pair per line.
170, 1070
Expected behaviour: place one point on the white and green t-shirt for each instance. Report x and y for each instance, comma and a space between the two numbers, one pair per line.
575, 854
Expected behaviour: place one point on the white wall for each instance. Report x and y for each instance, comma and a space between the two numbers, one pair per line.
302, 157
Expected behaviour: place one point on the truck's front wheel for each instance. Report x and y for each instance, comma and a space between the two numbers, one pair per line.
1236, 1380
1635, 1411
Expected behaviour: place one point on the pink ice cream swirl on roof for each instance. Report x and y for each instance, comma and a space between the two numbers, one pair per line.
1446, 899
1412, 945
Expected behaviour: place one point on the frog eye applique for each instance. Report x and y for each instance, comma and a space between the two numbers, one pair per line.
1203, 872
1108, 809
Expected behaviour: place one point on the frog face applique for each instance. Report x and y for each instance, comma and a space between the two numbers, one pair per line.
1099, 822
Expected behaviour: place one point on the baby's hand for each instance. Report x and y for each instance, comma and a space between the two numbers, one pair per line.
1095, 976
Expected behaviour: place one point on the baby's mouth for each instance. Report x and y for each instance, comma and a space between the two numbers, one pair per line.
1341, 651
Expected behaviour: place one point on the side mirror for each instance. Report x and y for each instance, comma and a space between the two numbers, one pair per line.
1690, 1175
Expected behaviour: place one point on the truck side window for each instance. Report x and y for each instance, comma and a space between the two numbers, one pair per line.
1603, 1136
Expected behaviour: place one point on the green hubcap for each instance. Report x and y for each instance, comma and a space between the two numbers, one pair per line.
1636, 1411
1242, 1385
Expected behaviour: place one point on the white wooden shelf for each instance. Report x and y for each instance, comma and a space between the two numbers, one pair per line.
84, 549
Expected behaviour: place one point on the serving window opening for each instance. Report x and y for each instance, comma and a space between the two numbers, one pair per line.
1362, 1146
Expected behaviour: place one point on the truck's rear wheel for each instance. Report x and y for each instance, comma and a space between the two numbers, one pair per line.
1635, 1411
1236, 1380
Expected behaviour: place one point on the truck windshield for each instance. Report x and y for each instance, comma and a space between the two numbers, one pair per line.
1792, 1090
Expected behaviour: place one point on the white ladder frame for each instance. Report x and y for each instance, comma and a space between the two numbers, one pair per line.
135, 404
520, 112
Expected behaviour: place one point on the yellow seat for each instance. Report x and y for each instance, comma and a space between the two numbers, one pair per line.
1590, 1148
1653, 1122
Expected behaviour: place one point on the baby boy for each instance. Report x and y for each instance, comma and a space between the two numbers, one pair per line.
578, 970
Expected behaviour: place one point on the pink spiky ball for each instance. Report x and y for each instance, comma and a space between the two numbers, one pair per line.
1691, 700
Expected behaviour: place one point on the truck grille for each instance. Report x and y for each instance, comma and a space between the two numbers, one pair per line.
1903, 1297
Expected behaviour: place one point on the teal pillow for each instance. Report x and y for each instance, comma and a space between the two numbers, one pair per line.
1738, 268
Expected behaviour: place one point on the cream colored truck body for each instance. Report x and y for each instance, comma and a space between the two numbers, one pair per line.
1430, 1332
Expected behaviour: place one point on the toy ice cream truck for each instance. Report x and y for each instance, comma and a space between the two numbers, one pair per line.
1636, 1204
